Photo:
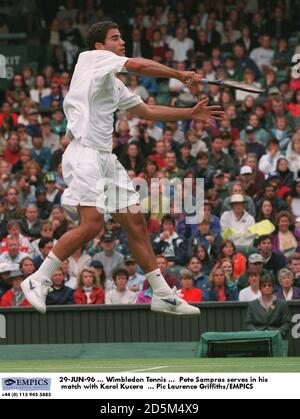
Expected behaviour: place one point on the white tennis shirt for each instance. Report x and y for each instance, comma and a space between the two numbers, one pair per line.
94, 95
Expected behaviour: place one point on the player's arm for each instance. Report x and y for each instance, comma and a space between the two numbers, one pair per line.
166, 113
142, 66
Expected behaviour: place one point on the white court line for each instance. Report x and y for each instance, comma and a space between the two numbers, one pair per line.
148, 369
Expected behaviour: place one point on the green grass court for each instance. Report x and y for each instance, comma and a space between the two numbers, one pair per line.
157, 365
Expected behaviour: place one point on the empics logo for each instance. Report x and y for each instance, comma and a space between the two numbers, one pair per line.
2, 327
27, 384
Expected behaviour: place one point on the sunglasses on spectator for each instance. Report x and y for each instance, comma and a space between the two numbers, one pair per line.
267, 286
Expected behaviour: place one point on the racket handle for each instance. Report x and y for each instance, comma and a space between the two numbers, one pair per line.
204, 81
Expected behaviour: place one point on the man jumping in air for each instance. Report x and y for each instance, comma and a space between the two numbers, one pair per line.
95, 94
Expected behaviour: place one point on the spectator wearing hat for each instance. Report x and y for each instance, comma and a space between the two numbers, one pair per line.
268, 162
5, 283
252, 146
121, 294
268, 312
237, 188
110, 257
256, 264
188, 291
14, 297
273, 262
61, 294
53, 194
217, 158
136, 281
237, 221
43, 205
287, 290
252, 291
78, 261
88, 289
39, 153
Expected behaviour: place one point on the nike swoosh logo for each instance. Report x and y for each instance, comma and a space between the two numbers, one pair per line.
32, 287
158, 275
169, 301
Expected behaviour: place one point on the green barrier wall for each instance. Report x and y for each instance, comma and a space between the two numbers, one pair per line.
111, 324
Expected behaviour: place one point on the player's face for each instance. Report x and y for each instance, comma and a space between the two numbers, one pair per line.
114, 42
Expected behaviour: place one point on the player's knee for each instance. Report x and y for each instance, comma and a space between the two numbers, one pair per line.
89, 231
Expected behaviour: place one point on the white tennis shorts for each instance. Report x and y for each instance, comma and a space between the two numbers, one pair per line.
95, 178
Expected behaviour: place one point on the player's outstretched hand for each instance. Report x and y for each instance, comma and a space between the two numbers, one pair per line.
206, 113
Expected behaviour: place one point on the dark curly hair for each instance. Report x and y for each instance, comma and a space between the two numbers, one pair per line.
97, 33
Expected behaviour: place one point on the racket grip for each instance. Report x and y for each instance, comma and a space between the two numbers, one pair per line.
204, 81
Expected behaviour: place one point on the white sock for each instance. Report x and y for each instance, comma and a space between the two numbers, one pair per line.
49, 266
158, 283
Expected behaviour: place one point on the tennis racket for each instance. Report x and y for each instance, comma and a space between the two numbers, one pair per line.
235, 85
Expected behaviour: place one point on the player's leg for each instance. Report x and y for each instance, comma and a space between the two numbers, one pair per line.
36, 286
164, 299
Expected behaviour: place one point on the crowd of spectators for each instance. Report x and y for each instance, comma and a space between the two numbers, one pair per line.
250, 161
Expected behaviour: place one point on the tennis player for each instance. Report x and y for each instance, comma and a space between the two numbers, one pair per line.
93, 174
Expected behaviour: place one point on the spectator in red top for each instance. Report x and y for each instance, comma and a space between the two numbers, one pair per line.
15, 297
294, 106
12, 151
220, 291
159, 155
6, 112
189, 293
88, 288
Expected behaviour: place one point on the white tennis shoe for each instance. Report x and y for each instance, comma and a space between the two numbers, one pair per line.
35, 290
173, 304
